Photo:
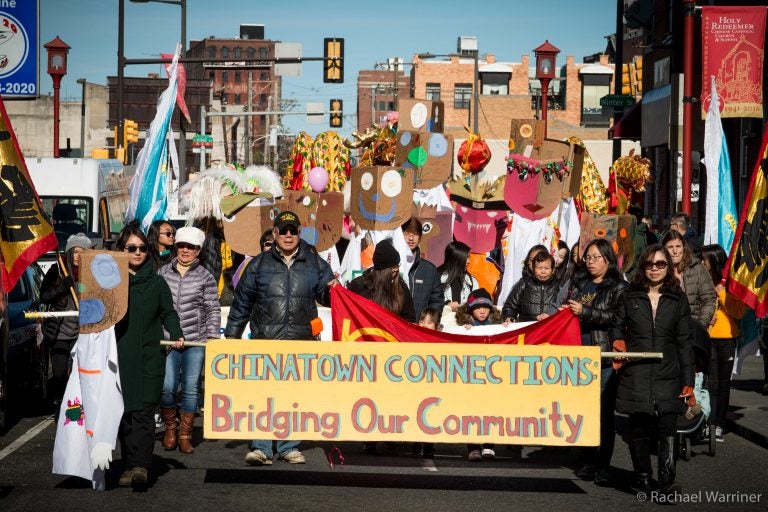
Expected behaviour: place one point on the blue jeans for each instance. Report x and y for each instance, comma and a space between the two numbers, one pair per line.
185, 366
283, 447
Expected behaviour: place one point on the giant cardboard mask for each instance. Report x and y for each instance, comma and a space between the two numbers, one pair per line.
382, 197
429, 154
420, 115
321, 216
619, 230
103, 289
437, 234
244, 229
481, 230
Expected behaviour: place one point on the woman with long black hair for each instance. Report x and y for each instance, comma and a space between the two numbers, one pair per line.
457, 282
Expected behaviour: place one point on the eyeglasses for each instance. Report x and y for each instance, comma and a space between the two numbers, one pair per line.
185, 245
289, 229
169, 234
592, 258
135, 248
659, 265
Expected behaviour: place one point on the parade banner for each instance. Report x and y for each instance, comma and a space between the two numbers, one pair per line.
747, 269
732, 51
450, 393
356, 318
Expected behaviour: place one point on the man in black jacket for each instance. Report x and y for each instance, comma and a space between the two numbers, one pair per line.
423, 278
278, 293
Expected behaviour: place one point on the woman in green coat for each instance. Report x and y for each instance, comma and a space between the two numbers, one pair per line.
140, 356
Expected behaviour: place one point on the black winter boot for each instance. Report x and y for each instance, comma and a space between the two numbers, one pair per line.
640, 451
667, 484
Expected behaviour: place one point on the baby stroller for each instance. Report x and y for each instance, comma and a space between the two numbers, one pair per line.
692, 425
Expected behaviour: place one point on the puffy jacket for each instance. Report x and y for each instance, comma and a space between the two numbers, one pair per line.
280, 300
56, 293
652, 385
529, 298
195, 299
697, 283
464, 317
599, 316
425, 285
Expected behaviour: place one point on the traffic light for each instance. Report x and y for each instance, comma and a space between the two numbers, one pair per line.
632, 77
336, 118
626, 81
638, 65
333, 60
130, 132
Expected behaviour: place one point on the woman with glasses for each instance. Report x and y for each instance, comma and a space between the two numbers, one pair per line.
141, 358
654, 316
456, 281
162, 237
596, 289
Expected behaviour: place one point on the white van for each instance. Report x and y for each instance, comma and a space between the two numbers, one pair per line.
81, 195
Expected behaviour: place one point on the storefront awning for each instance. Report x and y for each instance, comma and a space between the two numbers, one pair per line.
628, 127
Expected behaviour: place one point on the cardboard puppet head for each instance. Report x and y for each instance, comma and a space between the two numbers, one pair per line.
103, 289
429, 154
420, 115
321, 216
619, 230
243, 228
437, 233
481, 230
382, 197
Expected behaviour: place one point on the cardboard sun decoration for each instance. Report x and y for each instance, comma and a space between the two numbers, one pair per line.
103, 289
429, 154
437, 234
535, 196
244, 229
619, 230
416, 115
382, 197
321, 216
481, 230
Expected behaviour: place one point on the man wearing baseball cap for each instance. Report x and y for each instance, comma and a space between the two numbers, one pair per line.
278, 292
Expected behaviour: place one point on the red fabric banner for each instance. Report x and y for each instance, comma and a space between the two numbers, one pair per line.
358, 319
181, 87
25, 231
732, 51
747, 269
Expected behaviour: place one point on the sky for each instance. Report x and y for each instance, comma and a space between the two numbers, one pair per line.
373, 32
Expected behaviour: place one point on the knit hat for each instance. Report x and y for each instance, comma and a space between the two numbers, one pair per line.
479, 298
385, 256
286, 218
190, 235
79, 240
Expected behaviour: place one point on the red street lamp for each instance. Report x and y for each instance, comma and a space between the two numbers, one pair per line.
546, 54
57, 68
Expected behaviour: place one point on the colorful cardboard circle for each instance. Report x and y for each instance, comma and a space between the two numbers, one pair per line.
105, 271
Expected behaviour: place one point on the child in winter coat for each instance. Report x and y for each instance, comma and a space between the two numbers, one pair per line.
535, 296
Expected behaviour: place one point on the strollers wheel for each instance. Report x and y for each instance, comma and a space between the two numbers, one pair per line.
712, 441
684, 447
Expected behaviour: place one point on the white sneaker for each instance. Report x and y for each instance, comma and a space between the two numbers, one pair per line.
719, 435
257, 458
488, 453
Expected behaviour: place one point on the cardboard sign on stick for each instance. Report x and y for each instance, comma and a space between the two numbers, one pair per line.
429, 154
321, 216
103, 289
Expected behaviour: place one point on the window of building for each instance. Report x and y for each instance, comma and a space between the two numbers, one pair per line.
496, 84
251, 53
263, 100
590, 99
237, 77
225, 53
238, 52
211, 52
462, 93
264, 76
433, 91
263, 52
237, 98
224, 76
593, 88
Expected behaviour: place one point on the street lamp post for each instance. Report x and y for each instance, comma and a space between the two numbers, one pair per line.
121, 65
82, 82
546, 54
473, 115
57, 68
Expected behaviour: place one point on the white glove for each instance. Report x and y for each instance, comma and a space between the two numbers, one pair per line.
101, 456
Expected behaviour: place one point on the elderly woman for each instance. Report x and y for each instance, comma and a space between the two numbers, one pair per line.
195, 299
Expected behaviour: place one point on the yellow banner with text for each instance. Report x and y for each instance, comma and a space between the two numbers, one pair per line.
430, 392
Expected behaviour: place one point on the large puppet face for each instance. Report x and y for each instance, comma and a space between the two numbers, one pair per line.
382, 197
103, 289
437, 234
617, 229
430, 155
420, 115
321, 216
245, 227
481, 230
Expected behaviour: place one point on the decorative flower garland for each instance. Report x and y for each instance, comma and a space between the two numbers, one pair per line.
525, 166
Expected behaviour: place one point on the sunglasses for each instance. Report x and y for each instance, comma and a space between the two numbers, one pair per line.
289, 229
135, 248
185, 245
169, 234
659, 265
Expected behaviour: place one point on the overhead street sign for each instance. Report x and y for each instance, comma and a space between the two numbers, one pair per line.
617, 100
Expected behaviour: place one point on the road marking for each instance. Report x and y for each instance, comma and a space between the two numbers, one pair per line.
29, 434
428, 465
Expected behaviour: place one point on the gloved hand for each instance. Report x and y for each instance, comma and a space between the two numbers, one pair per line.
101, 456
687, 393
68, 282
618, 362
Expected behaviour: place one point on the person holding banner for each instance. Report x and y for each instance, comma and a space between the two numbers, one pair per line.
278, 293
140, 357
457, 282
595, 291
423, 278
654, 316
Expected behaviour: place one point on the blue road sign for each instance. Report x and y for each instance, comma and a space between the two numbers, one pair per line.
19, 44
